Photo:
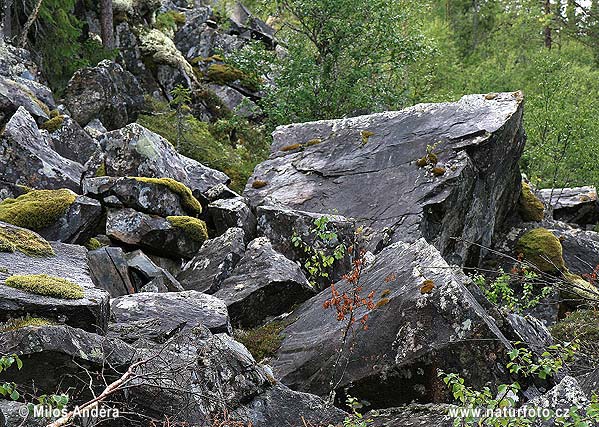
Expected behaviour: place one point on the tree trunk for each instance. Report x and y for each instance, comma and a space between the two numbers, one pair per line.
547, 30
29, 23
106, 23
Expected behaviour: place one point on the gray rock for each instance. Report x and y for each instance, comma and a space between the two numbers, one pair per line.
72, 142
12, 411
8, 190
248, 26
89, 313
14, 95
414, 415
413, 331
264, 283
375, 179
16, 62
227, 213
576, 205
106, 92
95, 129
563, 396
136, 151
220, 191
156, 234
110, 271
215, 261
151, 275
78, 224
236, 101
159, 316
27, 157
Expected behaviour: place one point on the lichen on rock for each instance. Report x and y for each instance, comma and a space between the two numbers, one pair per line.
14, 239
37, 209
42, 284
529, 205
193, 227
157, 45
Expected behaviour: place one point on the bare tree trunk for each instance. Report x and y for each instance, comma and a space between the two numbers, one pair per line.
547, 30
106, 23
29, 23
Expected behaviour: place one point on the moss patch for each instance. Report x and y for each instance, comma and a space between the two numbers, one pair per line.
23, 322
224, 74
53, 124
530, 207
259, 183
93, 244
42, 284
264, 341
37, 209
541, 248
438, 171
584, 326
187, 199
24, 241
170, 20
193, 227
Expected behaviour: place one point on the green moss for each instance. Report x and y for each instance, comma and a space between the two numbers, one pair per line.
27, 242
366, 134
54, 113
224, 74
37, 209
541, 248
101, 171
42, 284
23, 322
259, 183
187, 199
530, 207
264, 341
93, 244
170, 20
53, 124
582, 325
291, 147
193, 227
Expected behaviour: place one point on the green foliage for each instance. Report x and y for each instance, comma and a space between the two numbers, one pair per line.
582, 326
323, 251
188, 200
27, 242
355, 419
170, 20
181, 97
42, 284
264, 341
23, 322
9, 390
36, 209
224, 74
193, 227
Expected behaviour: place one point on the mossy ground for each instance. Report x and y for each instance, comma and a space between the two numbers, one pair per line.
23, 322
264, 341
24, 241
543, 249
188, 201
584, 326
193, 227
529, 206
231, 146
37, 209
42, 284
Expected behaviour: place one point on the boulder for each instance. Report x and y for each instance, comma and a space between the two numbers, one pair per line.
575, 205
424, 318
13, 411
136, 151
147, 276
414, 415
69, 262
16, 62
214, 262
249, 27
28, 159
563, 396
437, 171
110, 271
14, 95
159, 316
236, 102
78, 224
106, 92
235, 212
8, 190
163, 236
71, 141
264, 283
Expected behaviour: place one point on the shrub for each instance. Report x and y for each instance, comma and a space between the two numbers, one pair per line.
42, 284
27, 242
37, 209
193, 227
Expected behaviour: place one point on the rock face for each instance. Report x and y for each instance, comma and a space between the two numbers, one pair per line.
214, 262
14, 95
160, 316
110, 271
263, 284
106, 92
366, 168
89, 313
234, 212
417, 327
574, 205
136, 151
78, 224
72, 142
28, 159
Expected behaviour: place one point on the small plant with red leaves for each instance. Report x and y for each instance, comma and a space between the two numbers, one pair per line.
592, 277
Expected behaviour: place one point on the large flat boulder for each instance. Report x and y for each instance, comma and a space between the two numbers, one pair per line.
575, 205
376, 169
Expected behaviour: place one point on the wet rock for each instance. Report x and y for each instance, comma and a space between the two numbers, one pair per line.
575, 205
366, 167
106, 92
424, 319
89, 313
28, 159
136, 151
78, 224
264, 283
110, 271
235, 212
72, 142
156, 234
215, 261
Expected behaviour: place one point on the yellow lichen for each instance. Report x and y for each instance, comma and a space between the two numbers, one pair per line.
291, 147
25, 241
530, 207
37, 209
42, 284
366, 134
313, 141
53, 124
193, 227
185, 195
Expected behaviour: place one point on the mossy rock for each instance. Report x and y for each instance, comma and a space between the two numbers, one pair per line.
23, 322
543, 249
188, 201
93, 244
42, 284
262, 342
37, 209
194, 228
530, 207
224, 74
53, 124
14, 239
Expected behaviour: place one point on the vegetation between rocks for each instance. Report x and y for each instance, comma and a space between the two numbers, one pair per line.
193, 227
